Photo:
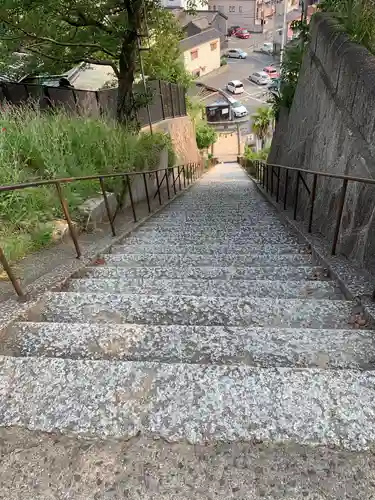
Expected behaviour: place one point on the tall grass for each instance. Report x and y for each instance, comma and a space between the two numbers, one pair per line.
357, 17
36, 145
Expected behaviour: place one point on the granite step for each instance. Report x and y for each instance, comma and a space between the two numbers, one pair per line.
282, 273
203, 247
245, 223
264, 347
213, 260
72, 307
224, 229
216, 288
189, 403
258, 239
235, 237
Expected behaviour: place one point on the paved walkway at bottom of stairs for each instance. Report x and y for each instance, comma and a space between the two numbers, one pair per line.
262, 349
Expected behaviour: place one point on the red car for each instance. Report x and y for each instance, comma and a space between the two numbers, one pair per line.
271, 72
242, 34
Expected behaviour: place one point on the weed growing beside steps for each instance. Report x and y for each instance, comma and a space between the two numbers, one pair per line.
36, 145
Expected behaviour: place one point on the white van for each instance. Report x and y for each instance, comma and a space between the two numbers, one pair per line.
235, 86
267, 48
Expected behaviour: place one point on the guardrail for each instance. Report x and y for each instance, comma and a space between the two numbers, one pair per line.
171, 179
271, 176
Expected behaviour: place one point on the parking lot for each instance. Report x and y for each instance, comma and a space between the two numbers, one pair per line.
254, 95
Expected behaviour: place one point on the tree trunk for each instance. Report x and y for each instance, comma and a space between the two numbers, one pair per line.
126, 109
126, 104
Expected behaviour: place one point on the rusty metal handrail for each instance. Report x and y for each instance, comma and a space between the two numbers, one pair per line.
190, 172
262, 174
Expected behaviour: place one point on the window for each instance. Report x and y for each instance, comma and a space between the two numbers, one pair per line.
232, 8
213, 45
194, 54
240, 8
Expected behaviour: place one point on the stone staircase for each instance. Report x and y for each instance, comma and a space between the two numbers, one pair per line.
210, 323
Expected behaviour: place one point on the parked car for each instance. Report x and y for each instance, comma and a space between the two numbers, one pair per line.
236, 53
271, 71
274, 85
260, 78
267, 48
235, 87
242, 34
232, 30
238, 109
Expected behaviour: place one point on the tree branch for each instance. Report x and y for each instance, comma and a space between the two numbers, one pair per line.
87, 60
87, 22
62, 44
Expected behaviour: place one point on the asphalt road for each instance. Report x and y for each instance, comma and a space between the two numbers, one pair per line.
254, 95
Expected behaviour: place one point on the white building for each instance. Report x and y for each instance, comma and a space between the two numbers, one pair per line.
172, 4
249, 13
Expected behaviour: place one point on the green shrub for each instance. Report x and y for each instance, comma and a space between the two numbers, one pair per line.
205, 135
36, 145
262, 154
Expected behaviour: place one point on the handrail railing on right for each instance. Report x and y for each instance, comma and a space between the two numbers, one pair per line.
189, 173
264, 173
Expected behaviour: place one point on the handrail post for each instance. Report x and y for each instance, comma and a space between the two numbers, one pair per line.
286, 187
266, 165
183, 168
146, 192
263, 177
339, 215
174, 182
271, 183
179, 177
106, 204
278, 185
157, 184
167, 182
68, 219
131, 198
11, 276
313, 194
296, 197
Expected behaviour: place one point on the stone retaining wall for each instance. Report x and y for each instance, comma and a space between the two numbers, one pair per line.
331, 128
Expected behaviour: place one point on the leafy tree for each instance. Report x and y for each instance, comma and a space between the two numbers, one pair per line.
205, 135
261, 123
290, 68
56, 34
162, 60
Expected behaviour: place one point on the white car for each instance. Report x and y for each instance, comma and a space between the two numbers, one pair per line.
238, 109
235, 87
236, 53
267, 48
260, 78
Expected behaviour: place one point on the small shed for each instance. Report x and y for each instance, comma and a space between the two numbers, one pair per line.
218, 111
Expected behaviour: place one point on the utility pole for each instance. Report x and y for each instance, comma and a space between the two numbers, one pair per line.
284, 30
144, 83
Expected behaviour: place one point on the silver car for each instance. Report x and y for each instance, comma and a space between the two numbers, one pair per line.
236, 53
260, 78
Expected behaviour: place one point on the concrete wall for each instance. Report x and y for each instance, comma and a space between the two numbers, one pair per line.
240, 13
182, 133
331, 128
208, 57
